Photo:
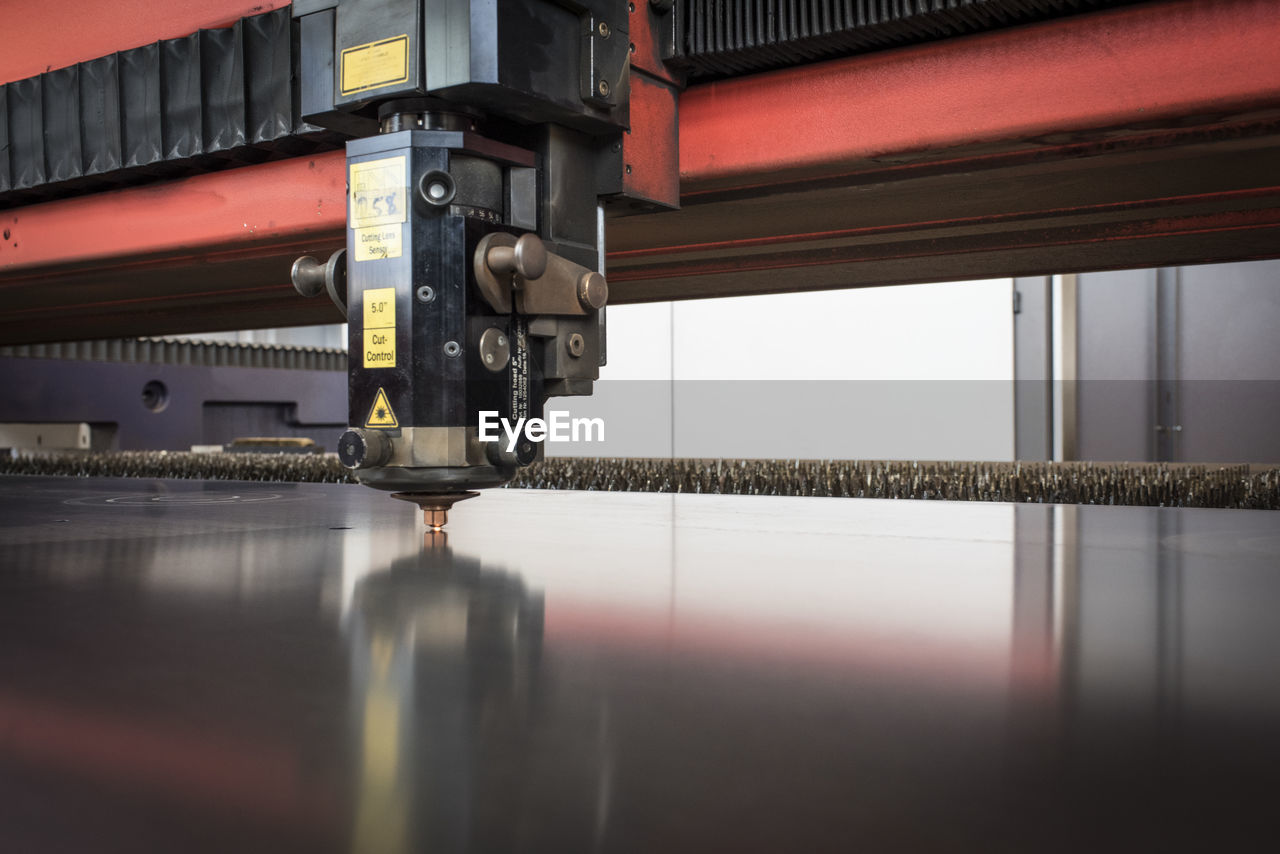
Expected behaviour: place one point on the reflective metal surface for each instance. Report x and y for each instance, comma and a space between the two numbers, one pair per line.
253, 667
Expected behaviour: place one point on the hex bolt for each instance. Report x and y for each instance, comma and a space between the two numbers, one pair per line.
577, 345
426, 293
603, 29
603, 88
452, 349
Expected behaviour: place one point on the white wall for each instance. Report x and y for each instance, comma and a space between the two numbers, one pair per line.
912, 372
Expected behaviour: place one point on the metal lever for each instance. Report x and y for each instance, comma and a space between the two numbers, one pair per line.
543, 282
528, 258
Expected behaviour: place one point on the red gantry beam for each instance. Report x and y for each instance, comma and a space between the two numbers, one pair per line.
1160, 65
208, 252
1132, 137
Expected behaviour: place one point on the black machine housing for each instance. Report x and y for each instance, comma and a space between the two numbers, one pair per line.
473, 118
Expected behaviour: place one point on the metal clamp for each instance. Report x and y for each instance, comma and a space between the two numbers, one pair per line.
542, 281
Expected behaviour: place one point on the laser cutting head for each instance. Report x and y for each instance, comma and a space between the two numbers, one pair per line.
472, 275
455, 307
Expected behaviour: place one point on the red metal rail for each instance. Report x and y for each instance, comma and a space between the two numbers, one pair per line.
1131, 137
1157, 65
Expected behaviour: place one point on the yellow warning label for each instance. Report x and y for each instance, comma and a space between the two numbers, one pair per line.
374, 65
378, 242
380, 414
380, 328
379, 192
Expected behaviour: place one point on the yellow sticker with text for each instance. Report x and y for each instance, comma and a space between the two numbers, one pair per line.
374, 65
379, 192
379, 242
380, 328
380, 414
379, 348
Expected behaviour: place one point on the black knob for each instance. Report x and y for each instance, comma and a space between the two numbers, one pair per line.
362, 449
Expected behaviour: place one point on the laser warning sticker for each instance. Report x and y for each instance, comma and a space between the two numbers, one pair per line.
380, 414
379, 192
374, 65
380, 328
379, 242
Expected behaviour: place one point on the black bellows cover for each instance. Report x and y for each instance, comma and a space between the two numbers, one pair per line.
722, 38
229, 96
212, 99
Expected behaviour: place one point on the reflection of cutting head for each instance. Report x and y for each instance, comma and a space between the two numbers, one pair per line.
440, 649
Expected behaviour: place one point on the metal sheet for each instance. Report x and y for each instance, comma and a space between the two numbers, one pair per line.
223, 666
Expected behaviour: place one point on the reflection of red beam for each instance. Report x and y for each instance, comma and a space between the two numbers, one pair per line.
755, 643
259, 780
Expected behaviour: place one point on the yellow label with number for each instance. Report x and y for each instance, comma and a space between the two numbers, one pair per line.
380, 328
374, 65
379, 192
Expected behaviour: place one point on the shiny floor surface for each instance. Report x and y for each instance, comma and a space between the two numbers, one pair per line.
271, 667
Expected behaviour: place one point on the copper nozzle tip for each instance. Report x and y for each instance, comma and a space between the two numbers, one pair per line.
435, 505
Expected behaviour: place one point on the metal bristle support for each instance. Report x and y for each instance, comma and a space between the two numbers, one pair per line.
1137, 484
